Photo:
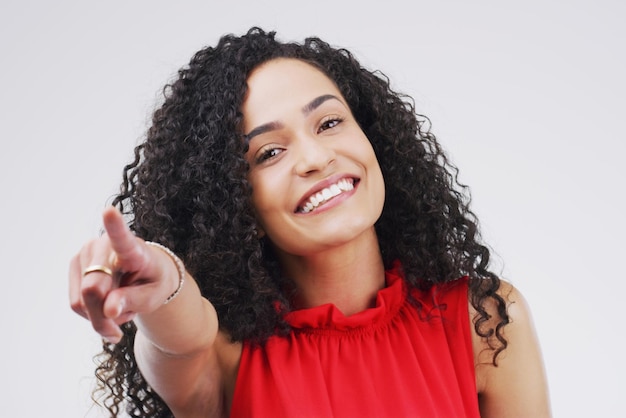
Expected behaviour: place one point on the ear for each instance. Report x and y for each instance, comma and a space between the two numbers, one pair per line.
260, 232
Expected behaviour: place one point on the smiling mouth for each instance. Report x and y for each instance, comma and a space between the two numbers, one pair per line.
323, 196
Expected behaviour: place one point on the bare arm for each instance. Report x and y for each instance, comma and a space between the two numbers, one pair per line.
176, 352
517, 387
175, 345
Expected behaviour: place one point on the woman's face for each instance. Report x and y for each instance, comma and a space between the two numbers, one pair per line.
315, 178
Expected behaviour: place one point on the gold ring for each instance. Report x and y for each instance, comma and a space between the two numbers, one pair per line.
97, 267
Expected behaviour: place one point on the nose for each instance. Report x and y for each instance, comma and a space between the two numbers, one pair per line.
313, 155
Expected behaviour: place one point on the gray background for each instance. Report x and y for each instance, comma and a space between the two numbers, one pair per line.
527, 97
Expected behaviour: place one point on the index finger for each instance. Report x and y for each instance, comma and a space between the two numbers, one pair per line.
123, 241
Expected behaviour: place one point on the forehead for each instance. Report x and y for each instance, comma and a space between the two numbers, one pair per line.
284, 70
285, 81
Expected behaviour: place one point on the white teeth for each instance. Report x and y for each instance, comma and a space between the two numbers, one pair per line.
322, 196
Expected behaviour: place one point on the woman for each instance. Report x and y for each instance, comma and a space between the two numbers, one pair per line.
329, 262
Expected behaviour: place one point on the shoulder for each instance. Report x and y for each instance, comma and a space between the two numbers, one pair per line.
516, 384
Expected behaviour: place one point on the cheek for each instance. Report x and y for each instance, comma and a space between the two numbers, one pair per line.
378, 190
376, 176
268, 197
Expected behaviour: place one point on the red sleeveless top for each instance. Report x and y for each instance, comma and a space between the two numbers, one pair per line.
392, 360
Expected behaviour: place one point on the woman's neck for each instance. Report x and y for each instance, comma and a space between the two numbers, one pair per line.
348, 276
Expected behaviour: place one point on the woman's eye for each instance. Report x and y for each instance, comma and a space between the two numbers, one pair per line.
268, 154
329, 124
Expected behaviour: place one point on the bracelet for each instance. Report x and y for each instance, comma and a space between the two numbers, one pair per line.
179, 265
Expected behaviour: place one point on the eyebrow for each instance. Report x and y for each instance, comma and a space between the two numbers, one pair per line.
266, 127
275, 125
317, 102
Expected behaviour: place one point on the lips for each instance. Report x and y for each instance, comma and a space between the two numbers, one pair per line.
325, 194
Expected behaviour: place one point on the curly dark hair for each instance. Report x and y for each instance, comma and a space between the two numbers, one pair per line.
187, 189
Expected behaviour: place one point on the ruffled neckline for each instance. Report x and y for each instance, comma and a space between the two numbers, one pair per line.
328, 317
